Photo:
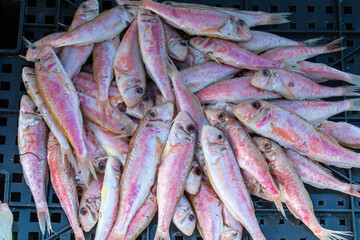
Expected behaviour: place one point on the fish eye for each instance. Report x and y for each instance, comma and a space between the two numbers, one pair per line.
183, 43
241, 23
256, 104
152, 113
190, 128
197, 171
220, 137
221, 116
140, 90
33, 47
83, 211
102, 165
35, 109
267, 145
146, 98
83, 6
191, 217
79, 190
265, 72
38, 60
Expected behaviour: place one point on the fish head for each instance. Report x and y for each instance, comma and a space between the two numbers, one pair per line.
184, 127
184, 217
47, 61
33, 51
180, 47
100, 165
5, 213
253, 112
236, 28
161, 113
134, 92
218, 118
88, 10
269, 148
28, 74
230, 234
89, 211
27, 106
264, 79
202, 44
129, 11
214, 140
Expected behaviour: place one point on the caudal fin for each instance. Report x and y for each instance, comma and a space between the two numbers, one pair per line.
278, 18
327, 234
87, 169
333, 46
312, 41
171, 69
160, 235
103, 107
350, 91
354, 190
279, 206
353, 79
44, 218
293, 67
355, 104
69, 155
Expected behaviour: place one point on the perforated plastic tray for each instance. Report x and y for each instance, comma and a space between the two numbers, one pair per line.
329, 18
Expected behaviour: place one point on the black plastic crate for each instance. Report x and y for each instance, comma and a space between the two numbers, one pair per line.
329, 18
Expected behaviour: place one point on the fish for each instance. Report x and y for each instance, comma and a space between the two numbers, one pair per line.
195, 21
263, 41
177, 47
73, 57
63, 182
254, 187
110, 192
319, 73
225, 177
32, 141
316, 111
295, 86
294, 54
107, 25
6, 221
252, 18
118, 122
95, 150
233, 90
140, 109
152, 39
143, 216
193, 181
201, 75
175, 166
90, 204
231, 223
230, 53
193, 57
35, 48
103, 58
29, 79
208, 210
292, 131
112, 144
54, 83
314, 174
129, 68
184, 217
226, 107
344, 133
85, 83
141, 163
248, 156
295, 196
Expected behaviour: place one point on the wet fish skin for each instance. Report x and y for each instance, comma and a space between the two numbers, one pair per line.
7, 218
54, 84
177, 47
109, 198
63, 182
32, 141
153, 50
140, 169
175, 165
140, 109
184, 217
193, 57
226, 179
90, 204
193, 181
294, 132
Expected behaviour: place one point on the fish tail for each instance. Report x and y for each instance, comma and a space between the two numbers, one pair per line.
353, 79
44, 218
350, 91
355, 104
69, 155
293, 67
354, 190
79, 234
87, 169
160, 235
334, 46
327, 234
103, 107
278, 18
278, 204
311, 41
171, 69
26, 42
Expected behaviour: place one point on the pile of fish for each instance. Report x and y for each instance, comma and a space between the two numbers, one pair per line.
185, 112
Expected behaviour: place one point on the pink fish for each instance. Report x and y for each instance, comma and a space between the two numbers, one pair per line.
177, 47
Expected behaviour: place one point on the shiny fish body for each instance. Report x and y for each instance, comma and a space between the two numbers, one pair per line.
129, 69
153, 50
32, 141
109, 198
63, 182
60, 97
6, 222
292, 131
226, 179
193, 181
174, 169
177, 47
139, 173
103, 27
184, 217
